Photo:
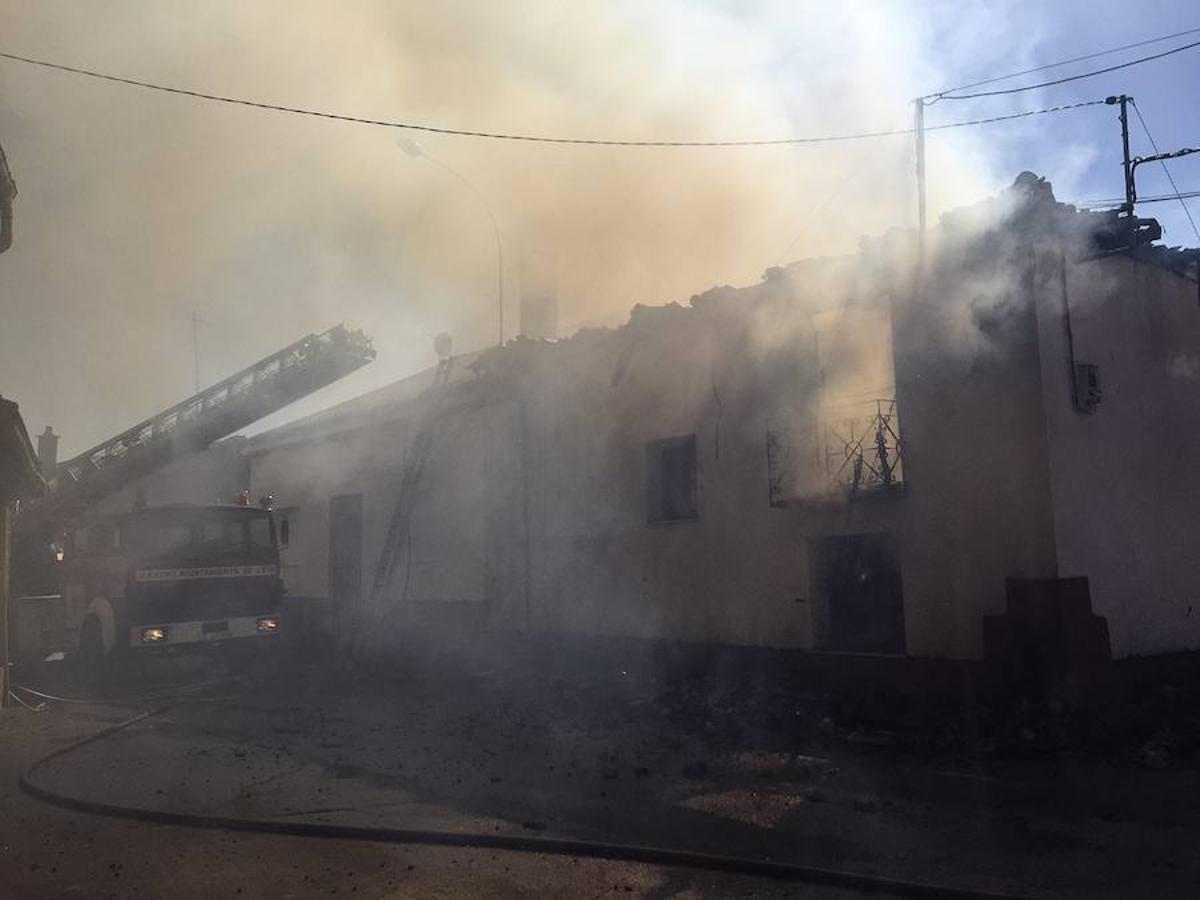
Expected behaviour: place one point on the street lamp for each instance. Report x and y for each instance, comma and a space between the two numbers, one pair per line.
415, 150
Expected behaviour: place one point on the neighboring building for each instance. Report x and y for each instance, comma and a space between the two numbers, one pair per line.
8, 193
854, 455
20, 476
19, 479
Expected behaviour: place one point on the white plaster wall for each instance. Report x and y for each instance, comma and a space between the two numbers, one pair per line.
1125, 479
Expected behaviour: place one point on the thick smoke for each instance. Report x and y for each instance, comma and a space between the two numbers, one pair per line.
137, 209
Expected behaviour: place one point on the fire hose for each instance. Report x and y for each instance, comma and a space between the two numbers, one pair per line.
661, 856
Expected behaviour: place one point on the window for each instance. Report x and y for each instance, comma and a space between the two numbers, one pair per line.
671, 479
212, 535
97, 539
201, 531
285, 529
260, 533
164, 537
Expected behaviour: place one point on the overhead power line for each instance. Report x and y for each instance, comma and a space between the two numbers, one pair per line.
1064, 62
1116, 202
1030, 87
540, 139
1187, 212
1017, 115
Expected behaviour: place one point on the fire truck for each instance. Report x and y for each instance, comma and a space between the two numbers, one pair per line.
170, 578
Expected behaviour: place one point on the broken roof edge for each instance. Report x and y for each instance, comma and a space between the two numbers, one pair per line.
380, 405
1028, 201
1106, 232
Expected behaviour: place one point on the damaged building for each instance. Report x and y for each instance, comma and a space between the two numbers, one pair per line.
868, 454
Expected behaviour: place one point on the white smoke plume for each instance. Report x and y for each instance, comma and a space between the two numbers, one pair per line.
137, 208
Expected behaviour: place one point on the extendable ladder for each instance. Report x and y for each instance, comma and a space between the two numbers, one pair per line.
395, 543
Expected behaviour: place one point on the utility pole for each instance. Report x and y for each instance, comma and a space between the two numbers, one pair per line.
196, 349
1130, 192
919, 131
1158, 158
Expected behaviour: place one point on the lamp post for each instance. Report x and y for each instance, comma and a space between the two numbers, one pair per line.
415, 150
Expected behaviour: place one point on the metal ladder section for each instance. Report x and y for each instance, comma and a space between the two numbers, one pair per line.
233, 403
415, 461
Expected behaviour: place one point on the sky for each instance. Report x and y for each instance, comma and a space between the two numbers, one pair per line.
137, 210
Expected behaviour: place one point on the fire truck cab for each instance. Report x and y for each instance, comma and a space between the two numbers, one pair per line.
171, 578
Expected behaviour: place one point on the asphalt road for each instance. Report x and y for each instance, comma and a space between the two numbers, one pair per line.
507, 750
50, 852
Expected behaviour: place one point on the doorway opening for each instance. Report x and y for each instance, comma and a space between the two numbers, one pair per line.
859, 604
345, 551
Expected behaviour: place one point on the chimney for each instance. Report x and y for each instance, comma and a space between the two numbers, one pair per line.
539, 317
538, 298
47, 451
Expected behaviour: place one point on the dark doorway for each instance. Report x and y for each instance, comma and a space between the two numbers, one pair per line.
671, 479
345, 550
856, 581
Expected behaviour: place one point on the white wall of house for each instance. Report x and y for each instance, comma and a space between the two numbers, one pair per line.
977, 506
304, 475
535, 498
734, 573
533, 509
443, 569
1125, 478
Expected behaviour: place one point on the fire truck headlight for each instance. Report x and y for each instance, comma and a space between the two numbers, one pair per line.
153, 635
267, 624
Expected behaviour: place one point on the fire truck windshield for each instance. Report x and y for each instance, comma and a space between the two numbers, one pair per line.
198, 532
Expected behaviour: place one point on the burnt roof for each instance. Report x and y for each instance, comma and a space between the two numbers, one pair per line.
1028, 204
